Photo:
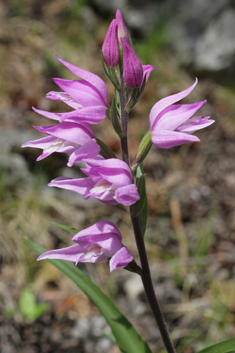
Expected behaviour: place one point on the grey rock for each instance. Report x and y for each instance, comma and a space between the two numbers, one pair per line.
81, 328
103, 345
216, 48
13, 164
133, 287
98, 323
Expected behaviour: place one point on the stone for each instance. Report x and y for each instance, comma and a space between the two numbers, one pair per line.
216, 49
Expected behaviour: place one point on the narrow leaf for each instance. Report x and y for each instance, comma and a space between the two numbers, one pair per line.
69, 229
127, 338
105, 151
227, 346
115, 119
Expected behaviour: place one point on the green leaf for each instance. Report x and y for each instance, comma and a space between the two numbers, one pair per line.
222, 347
110, 336
105, 151
40, 310
142, 151
69, 229
135, 96
27, 303
28, 306
127, 338
115, 119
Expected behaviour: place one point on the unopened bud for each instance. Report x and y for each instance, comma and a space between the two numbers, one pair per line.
132, 67
122, 30
110, 48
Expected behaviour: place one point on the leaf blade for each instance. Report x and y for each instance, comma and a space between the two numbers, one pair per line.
227, 346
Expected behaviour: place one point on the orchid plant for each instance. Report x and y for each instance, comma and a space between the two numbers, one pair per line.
109, 179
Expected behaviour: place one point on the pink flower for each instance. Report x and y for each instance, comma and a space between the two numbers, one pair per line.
94, 244
133, 69
110, 47
172, 125
89, 96
109, 181
76, 139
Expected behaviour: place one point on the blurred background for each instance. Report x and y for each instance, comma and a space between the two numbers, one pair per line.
191, 234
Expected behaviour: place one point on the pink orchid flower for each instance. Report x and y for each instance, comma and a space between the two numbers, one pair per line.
94, 244
76, 139
89, 96
109, 180
172, 125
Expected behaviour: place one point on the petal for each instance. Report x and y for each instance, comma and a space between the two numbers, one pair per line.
127, 195
40, 143
80, 186
69, 254
64, 97
81, 91
88, 150
75, 133
92, 256
113, 164
58, 145
104, 194
93, 79
165, 102
99, 228
120, 260
194, 124
147, 69
110, 243
167, 139
175, 115
54, 116
91, 115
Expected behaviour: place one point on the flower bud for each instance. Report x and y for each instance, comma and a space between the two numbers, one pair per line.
110, 47
122, 30
132, 67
